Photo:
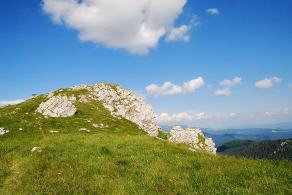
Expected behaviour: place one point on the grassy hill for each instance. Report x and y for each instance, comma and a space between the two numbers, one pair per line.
117, 159
276, 150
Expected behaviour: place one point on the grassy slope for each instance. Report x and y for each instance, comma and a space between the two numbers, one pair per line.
117, 160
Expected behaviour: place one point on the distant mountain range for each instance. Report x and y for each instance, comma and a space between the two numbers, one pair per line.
259, 133
274, 150
286, 125
254, 134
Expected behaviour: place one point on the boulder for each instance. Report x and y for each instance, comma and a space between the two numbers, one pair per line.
36, 149
100, 126
85, 130
3, 131
192, 137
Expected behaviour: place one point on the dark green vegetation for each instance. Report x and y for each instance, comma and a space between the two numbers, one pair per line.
120, 159
233, 144
276, 150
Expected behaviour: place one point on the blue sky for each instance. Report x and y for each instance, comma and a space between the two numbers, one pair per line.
250, 39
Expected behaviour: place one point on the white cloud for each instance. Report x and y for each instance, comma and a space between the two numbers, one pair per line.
267, 82
290, 85
268, 113
224, 120
286, 110
182, 117
136, 26
232, 114
179, 117
213, 11
231, 83
168, 88
201, 116
11, 102
227, 84
223, 92
179, 34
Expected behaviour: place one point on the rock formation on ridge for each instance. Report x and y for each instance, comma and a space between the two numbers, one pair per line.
192, 137
118, 101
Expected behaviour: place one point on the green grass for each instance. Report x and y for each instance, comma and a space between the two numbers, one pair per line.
162, 134
120, 159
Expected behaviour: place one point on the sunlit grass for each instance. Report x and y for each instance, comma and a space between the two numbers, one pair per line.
120, 159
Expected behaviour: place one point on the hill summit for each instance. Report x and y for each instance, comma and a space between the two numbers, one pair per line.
121, 103
118, 101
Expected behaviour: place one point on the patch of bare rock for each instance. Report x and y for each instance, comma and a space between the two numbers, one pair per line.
100, 126
3, 131
36, 149
193, 137
58, 106
84, 130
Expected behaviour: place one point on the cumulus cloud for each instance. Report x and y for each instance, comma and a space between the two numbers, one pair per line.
168, 88
223, 92
181, 117
232, 114
231, 82
228, 84
11, 102
182, 33
268, 113
136, 26
179, 34
267, 82
213, 11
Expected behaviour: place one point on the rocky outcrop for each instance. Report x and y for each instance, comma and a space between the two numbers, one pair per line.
3, 131
36, 149
192, 137
58, 106
122, 103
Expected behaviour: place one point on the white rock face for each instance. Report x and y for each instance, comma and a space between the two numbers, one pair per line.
54, 131
122, 103
36, 149
58, 106
3, 131
84, 129
193, 137
100, 126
